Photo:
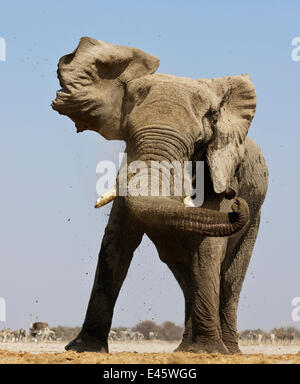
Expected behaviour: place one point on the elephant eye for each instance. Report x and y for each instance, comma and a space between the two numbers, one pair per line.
121, 83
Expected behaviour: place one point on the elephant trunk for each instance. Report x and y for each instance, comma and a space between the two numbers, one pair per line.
170, 212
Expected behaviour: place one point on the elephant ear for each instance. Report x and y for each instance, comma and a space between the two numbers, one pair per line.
233, 108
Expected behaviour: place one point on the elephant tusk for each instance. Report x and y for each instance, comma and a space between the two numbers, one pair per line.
111, 194
106, 198
188, 202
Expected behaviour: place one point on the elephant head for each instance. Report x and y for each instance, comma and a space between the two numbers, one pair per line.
113, 90
93, 80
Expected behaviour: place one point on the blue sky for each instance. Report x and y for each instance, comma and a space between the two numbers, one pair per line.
48, 171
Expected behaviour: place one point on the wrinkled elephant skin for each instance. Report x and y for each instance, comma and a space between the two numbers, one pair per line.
114, 91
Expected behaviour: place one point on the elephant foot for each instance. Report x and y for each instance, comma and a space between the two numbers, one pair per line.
232, 347
87, 343
183, 347
208, 346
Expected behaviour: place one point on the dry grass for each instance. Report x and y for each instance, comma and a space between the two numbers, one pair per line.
7, 357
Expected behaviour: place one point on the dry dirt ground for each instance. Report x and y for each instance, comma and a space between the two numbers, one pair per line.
156, 352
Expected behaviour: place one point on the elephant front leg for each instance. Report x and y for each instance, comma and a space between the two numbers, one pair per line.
122, 236
182, 274
233, 273
205, 274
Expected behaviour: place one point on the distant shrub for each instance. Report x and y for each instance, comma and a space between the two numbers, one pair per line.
170, 331
145, 327
166, 331
66, 333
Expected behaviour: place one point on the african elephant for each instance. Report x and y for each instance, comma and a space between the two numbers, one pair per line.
113, 90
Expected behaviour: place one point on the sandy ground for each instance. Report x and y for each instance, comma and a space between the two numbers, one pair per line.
146, 352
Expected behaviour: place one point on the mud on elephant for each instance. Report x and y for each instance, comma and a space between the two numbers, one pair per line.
114, 91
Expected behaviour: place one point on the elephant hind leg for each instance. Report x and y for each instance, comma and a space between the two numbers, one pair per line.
233, 273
